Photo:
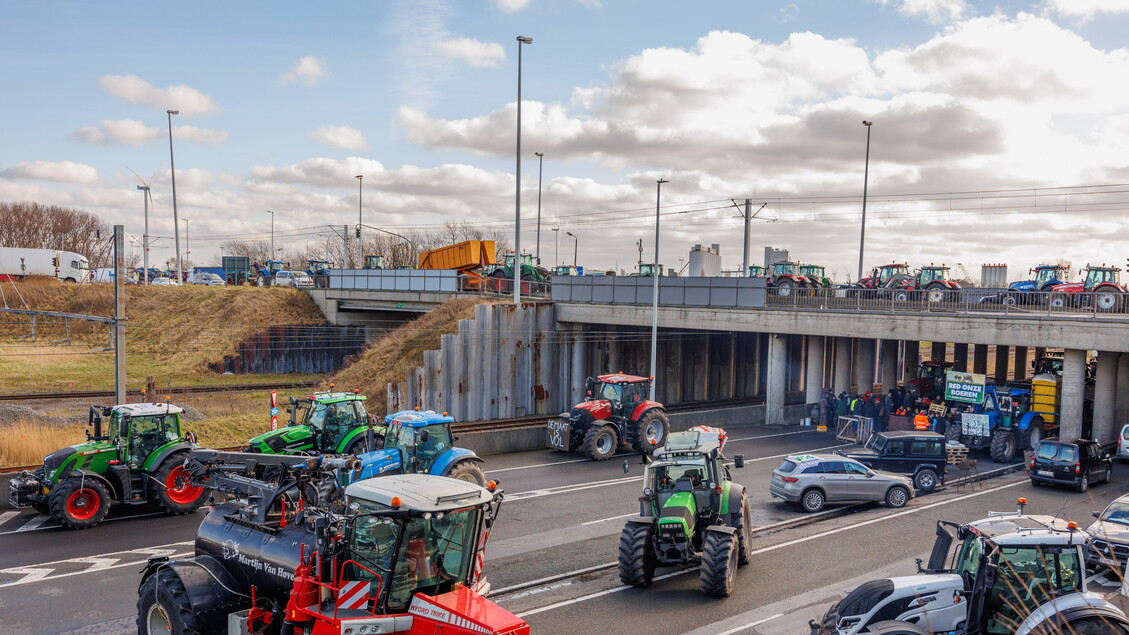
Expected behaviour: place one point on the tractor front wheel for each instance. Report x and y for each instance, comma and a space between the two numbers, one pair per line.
953, 431
637, 558
171, 488
651, 431
600, 442
467, 471
1057, 301
784, 288
935, 294
1003, 446
163, 606
719, 564
1034, 433
79, 503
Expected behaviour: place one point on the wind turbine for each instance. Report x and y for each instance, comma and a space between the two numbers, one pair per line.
145, 237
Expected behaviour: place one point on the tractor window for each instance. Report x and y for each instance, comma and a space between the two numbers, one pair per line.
634, 394
400, 437
438, 440
435, 554
362, 414
373, 543
682, 475
148, 434
969, 557
1027, 578
315, 417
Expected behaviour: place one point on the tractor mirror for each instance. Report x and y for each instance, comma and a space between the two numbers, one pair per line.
738, 460
626, 467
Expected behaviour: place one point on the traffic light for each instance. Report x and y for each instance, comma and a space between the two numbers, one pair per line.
358, 231
55, 262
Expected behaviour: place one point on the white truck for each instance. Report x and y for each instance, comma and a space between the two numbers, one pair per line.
17, 263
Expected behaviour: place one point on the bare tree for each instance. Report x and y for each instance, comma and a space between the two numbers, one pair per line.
35, 226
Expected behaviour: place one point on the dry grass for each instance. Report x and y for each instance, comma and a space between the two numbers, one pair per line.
388, 358
26, 442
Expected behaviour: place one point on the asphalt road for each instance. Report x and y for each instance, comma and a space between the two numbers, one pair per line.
550, 552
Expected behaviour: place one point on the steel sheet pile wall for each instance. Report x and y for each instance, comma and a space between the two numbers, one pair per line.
295, 349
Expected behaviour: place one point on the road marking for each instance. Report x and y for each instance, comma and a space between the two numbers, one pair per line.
44, 571
781, 434
32, 524
67, 575
830, 532
751, 625
604, 520
6, 516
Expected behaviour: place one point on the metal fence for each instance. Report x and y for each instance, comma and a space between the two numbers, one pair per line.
429, 280
705, 292
978, 300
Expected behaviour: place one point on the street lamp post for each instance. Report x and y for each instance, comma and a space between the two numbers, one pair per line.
186, 251
556, 246
575, 246
360, 194
145, 237
865, 178
540, 164
271, 234
175, 222
655, 300
517, 180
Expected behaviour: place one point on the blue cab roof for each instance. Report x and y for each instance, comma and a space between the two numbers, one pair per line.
418, 418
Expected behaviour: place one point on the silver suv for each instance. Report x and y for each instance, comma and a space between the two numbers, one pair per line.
814, 479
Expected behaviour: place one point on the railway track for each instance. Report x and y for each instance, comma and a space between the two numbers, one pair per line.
174, 390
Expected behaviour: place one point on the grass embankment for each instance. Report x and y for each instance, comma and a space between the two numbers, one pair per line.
389, 357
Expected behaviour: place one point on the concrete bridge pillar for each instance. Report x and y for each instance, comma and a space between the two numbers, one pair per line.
937, 351
777, 375
864, 364
1073, 390
980, 359
1121, 407
1003, 358
1105, 394
579, 368
912, 352
841, 378
960, 357
888, 365
814, 379
1019, 371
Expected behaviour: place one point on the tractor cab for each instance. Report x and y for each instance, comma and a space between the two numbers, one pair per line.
785, 268
930, 380
526, 260
139, 430
648, 270
565, 270
1097, 276
622, 392
933, 273
317, 267
816, 274
376, 261
324, 422
420, 442
1049, 275
756, 271
273, 266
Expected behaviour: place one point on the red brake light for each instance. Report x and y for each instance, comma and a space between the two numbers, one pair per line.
789, 479
1077, 468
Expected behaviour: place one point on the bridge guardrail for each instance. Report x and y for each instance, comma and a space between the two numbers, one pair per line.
973, 300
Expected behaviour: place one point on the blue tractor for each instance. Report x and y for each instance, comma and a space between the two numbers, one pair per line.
1031, 291
1003, 422
419, 442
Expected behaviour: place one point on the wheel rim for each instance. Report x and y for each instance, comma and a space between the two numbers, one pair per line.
180, 490
784, 290
654, 432
936, 295
1009, 300
901, 297
83, 503
812, 500
1085, 483
926, 480
604, 443
1057, 302
897, 498
1105, 301
157, 621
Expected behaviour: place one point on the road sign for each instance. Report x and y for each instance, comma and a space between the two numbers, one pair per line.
964, 387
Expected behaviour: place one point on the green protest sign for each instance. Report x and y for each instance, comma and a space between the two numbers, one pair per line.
964, 387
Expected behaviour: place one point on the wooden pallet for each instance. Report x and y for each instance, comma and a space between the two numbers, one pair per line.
956, 454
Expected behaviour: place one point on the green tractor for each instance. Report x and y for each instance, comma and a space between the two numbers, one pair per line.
690, 511
323, 423
502, 275
138, 459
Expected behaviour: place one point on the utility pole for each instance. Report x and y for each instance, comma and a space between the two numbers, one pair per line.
119, 314
639, 244
745, 251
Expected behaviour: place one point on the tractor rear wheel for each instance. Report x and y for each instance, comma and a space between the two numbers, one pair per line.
163, 606
652, 426
1092, 626
719, 564
360, 445
1034, 433
637, 558
1107, 301
527, 283
952, 431
901, 296
742, 521
79, 503
500, 282
1003, 446
467, 471
784, 288
935, 293
600, 442
170, 487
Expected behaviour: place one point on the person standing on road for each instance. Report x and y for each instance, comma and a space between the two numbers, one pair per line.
880, 415
824, 406
843, 405
920, 421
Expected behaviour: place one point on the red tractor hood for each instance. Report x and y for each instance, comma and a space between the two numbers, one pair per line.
463, 611
600, 408
1069, 287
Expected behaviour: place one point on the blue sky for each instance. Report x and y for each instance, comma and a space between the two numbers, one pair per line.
282, 103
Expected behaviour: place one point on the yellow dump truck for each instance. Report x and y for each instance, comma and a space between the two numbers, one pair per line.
467, 257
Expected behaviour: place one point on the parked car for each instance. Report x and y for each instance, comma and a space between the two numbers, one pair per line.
1076, 464
295, 279
1122, 452
207, 279
919, 454
1109, 545
163, 282
814, 479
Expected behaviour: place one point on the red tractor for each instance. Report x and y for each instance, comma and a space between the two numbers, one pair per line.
1102, 286
880, 276
615, 411
930, 380
787, 277
935, 282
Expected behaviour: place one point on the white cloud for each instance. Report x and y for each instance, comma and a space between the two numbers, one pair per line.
473, 52
309, 70
932, 10
189, 101
513, 6
319, 171
1085, 10
133, 133
57, 171
340, 137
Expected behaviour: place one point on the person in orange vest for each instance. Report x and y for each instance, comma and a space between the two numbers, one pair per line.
920, 421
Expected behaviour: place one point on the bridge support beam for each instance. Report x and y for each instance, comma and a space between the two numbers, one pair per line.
938, 351
777, 375
1105, 392
842, 374
814, 379
888, 365
960, 357
980, 359
910, 363
1003, 358
864, 366
1019, 371
1073, 389
1121, 407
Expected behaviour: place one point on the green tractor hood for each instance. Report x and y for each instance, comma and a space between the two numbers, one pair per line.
284, 440
676, 522
82, 456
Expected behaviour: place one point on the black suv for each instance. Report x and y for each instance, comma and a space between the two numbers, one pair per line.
921, 454
1076, 464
